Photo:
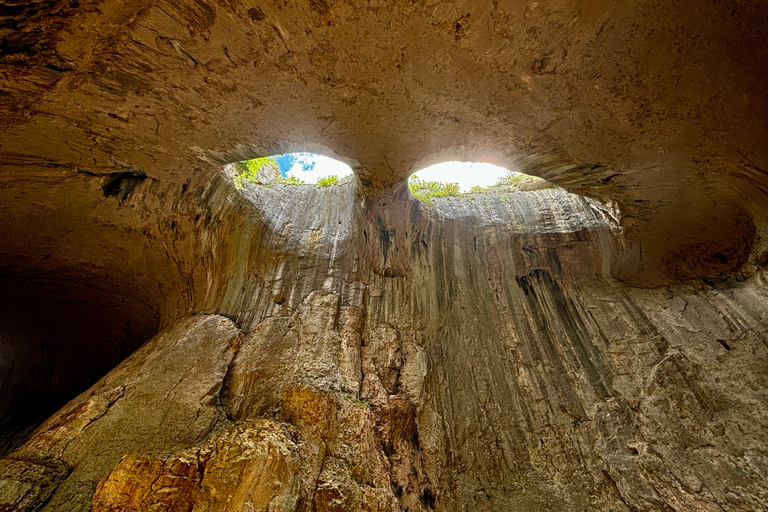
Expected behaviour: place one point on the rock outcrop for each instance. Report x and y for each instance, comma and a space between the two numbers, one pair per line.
250, 466
163, 397
601, 345
484, 358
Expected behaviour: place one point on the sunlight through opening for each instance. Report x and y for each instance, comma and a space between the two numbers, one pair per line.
464, 174
449, 179
291, 169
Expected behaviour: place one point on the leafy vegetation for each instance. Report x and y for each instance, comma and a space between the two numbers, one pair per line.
289, 180
266, 171
516, 180
326, 182
262, 170
255, 170
425, 191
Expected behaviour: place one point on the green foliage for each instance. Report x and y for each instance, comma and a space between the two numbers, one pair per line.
425, 191
250, 171
326, 182
512, 182
516, 180
262, 170
290, 180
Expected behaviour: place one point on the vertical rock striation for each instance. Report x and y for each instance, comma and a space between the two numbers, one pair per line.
474, 354
348, 348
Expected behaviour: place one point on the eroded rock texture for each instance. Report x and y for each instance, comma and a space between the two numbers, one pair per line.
471, 354
164, 397
600, 346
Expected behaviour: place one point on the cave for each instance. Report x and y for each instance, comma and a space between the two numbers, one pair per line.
180, 331
58, 339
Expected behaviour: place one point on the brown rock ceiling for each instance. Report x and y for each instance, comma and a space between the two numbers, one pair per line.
505, 354
660, 106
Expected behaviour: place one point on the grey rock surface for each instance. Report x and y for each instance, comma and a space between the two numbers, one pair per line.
596, 346
500, 367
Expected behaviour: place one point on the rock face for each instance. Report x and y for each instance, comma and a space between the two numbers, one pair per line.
251, 466
164, 397
471, 354
601, 345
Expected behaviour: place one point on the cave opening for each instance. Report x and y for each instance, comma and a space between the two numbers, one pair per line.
465, 174
59, 336
301, 168
459, 178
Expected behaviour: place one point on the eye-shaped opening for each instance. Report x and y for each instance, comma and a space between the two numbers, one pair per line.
456, 178
290, 169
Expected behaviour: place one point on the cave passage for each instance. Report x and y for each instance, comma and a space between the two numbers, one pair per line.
57, 338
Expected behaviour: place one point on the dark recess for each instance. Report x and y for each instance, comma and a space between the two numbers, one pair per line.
725, 344
57, 338
428, 499
121, 185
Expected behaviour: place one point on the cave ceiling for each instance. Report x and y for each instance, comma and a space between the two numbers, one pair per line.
658, 106
595, 345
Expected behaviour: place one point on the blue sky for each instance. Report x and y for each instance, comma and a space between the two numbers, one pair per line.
310, 167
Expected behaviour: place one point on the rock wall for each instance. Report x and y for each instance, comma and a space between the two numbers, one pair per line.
348, 348
474, 354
